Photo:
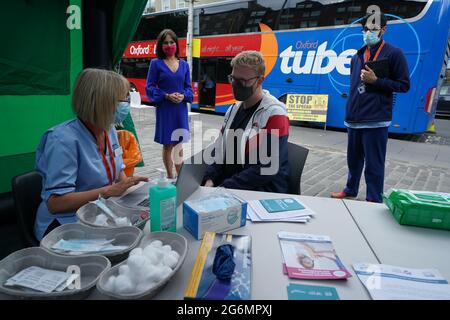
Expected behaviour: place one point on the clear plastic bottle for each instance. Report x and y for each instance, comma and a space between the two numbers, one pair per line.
163, 208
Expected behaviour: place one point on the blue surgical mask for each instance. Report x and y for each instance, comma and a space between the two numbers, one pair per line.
371, 38
122, 111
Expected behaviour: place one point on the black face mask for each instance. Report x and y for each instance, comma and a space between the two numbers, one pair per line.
240, 92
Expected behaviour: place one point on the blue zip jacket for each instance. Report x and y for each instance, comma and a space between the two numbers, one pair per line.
375, 105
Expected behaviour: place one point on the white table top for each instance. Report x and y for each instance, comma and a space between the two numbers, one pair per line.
400, 245
268, 281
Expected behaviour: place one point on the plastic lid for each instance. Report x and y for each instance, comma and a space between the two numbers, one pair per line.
163, 182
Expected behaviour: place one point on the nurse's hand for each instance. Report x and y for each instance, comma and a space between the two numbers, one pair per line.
120, 187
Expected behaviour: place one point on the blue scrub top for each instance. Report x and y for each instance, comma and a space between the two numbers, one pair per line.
69, 161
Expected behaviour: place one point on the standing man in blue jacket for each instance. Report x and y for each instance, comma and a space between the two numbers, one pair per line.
252, 151
369, 109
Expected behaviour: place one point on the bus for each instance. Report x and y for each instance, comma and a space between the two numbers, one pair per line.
307, 46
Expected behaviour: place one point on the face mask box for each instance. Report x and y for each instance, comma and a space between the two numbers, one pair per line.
215, 214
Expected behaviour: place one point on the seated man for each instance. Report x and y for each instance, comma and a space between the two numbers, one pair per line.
251, 153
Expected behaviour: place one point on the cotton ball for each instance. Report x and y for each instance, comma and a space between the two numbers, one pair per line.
159, 254
123, 284
135, 262
167, 248
136, 251
149, 274
101, 220
157, 244
138, 265
150, 254
170, 261
122, 222
110, 284
160, 273
174, 254
166, 271
124, 270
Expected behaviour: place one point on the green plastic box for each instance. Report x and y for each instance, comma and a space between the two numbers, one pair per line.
419, 208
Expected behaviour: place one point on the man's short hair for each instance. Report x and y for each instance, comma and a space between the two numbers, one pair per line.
383, 19
250, 59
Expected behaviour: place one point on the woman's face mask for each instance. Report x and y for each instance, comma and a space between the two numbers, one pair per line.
169, 49
371, 38
122, 111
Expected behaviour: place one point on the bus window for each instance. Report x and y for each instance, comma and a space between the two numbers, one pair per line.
240, 17
150, 26
327, 13
135, 68
223, 19
245, 16
268, 12
311, 14
177, 21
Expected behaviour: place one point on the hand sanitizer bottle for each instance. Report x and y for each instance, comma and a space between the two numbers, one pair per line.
163, 208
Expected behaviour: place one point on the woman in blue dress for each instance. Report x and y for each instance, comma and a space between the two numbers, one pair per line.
169, 88
81, 159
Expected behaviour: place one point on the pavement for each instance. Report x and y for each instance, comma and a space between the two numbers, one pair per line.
414, 162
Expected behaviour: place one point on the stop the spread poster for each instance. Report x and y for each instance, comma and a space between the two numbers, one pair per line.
307, 107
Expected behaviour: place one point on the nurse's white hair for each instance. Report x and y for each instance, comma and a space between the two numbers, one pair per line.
96, 94
251, 59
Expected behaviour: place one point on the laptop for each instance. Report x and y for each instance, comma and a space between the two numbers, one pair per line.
190, 178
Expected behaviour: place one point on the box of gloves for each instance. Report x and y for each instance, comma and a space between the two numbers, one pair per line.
217, 211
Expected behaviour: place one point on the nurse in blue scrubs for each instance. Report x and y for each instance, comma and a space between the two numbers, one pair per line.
81, 159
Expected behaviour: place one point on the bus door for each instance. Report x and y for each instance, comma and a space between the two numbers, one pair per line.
207, 83
224, 92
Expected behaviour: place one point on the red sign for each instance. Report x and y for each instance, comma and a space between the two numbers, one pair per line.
229, 46
147, 49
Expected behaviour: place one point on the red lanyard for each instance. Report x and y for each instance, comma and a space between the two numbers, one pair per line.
367, 53
111, 175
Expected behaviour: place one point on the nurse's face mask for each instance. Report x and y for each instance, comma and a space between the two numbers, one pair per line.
122, 111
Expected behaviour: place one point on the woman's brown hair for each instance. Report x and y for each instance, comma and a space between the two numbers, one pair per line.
161, 37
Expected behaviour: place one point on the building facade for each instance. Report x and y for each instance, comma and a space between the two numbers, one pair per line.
164, 5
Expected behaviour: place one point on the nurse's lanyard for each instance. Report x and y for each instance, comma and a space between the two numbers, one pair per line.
111, 175
367, 53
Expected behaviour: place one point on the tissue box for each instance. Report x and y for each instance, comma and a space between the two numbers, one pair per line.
219, 212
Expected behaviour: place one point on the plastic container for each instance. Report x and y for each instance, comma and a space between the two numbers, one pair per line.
419, 208
175, 240
91, 267
88, 213
163, 208
124, 236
